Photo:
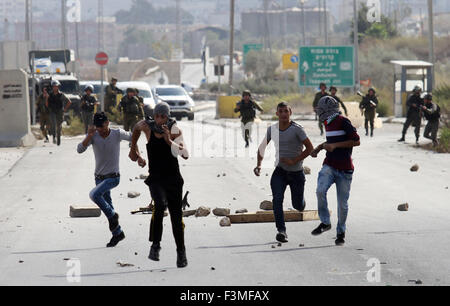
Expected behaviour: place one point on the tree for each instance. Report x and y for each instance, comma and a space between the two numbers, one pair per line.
383, 29
143, 12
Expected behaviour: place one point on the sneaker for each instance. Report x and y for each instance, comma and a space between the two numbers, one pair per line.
115, 240
322, 228
181, 259
401, 139
282, 237
154, 252
114, 222
340, 239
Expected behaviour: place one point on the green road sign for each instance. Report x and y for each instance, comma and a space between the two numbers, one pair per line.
249, 47
333, 66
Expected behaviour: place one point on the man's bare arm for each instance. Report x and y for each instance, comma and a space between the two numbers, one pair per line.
134, 150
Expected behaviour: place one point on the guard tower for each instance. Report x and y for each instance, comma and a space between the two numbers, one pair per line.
407, 75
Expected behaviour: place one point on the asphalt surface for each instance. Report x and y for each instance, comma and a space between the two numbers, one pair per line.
37, 237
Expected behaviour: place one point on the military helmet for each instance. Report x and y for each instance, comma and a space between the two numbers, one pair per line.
417, 88
89, 87
428, 97
56, 83
372, 89
131, 90
246, 93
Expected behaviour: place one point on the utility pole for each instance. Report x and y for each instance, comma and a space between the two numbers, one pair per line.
178, 43
325, 21
302, 2
230, 81
27, 20
431, 37
63, 25
101, 43
356, 44
320, 17
285, 43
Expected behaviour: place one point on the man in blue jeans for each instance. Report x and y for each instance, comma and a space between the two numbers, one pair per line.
338, 165
290, 139
106, 145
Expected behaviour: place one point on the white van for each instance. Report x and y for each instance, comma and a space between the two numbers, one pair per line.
145, 91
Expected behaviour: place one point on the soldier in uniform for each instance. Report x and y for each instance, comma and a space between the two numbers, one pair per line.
432, 113
58, 104
88, 102
44, 115
247, 107
333, 92
414, 115
111, 92
322, 93
132, 110
369, 104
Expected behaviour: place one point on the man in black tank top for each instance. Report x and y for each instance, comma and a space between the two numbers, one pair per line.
164, 145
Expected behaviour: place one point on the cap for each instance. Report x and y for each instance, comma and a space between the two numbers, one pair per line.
100, 119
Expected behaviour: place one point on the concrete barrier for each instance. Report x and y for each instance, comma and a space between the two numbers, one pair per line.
15, 128
227, 104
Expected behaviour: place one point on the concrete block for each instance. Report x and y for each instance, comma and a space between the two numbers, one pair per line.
85, 212
268, 216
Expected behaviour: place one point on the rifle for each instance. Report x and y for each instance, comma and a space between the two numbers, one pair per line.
185, 201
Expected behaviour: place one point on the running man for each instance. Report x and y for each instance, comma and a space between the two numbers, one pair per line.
164, 144
290, 139
106, 145
338, 165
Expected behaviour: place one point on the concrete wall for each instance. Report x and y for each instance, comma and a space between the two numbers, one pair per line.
14, 109
14, 54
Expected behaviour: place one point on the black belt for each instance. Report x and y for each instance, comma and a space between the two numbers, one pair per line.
107, 176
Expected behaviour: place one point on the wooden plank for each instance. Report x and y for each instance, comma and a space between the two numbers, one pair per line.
268, 216
85, 212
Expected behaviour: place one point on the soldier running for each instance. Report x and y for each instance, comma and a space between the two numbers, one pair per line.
414, 115
132, 110
247, 107
44, 115
58, 104
369, 105
88, 103
432, 113
164, 144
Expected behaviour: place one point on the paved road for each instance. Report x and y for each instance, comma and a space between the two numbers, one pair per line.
35, 227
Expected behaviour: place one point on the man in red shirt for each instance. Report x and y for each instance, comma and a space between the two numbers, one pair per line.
338, 166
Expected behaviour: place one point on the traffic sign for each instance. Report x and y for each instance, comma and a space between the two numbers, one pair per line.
290, 61
333, 66
101, 58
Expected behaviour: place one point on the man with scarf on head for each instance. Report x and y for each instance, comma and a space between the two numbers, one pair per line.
164, 145
338, 165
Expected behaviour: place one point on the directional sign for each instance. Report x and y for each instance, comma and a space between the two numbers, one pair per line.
329, 65
101, 58
74, 11
290, 61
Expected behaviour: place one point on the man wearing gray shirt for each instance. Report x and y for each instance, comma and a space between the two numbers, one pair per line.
106, 146
290, 139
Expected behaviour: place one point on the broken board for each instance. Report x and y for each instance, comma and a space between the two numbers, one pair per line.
85, 212
268, 216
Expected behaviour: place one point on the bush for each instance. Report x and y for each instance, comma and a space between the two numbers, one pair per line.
75, 128
115, 116
444, 141
442, 98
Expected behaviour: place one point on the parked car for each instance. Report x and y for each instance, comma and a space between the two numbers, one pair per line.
145, 91
181, 104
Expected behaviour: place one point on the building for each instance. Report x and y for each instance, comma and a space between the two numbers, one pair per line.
12, 10
255, 23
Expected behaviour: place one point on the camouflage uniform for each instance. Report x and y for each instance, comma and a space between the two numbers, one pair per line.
132, 110
44, 115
